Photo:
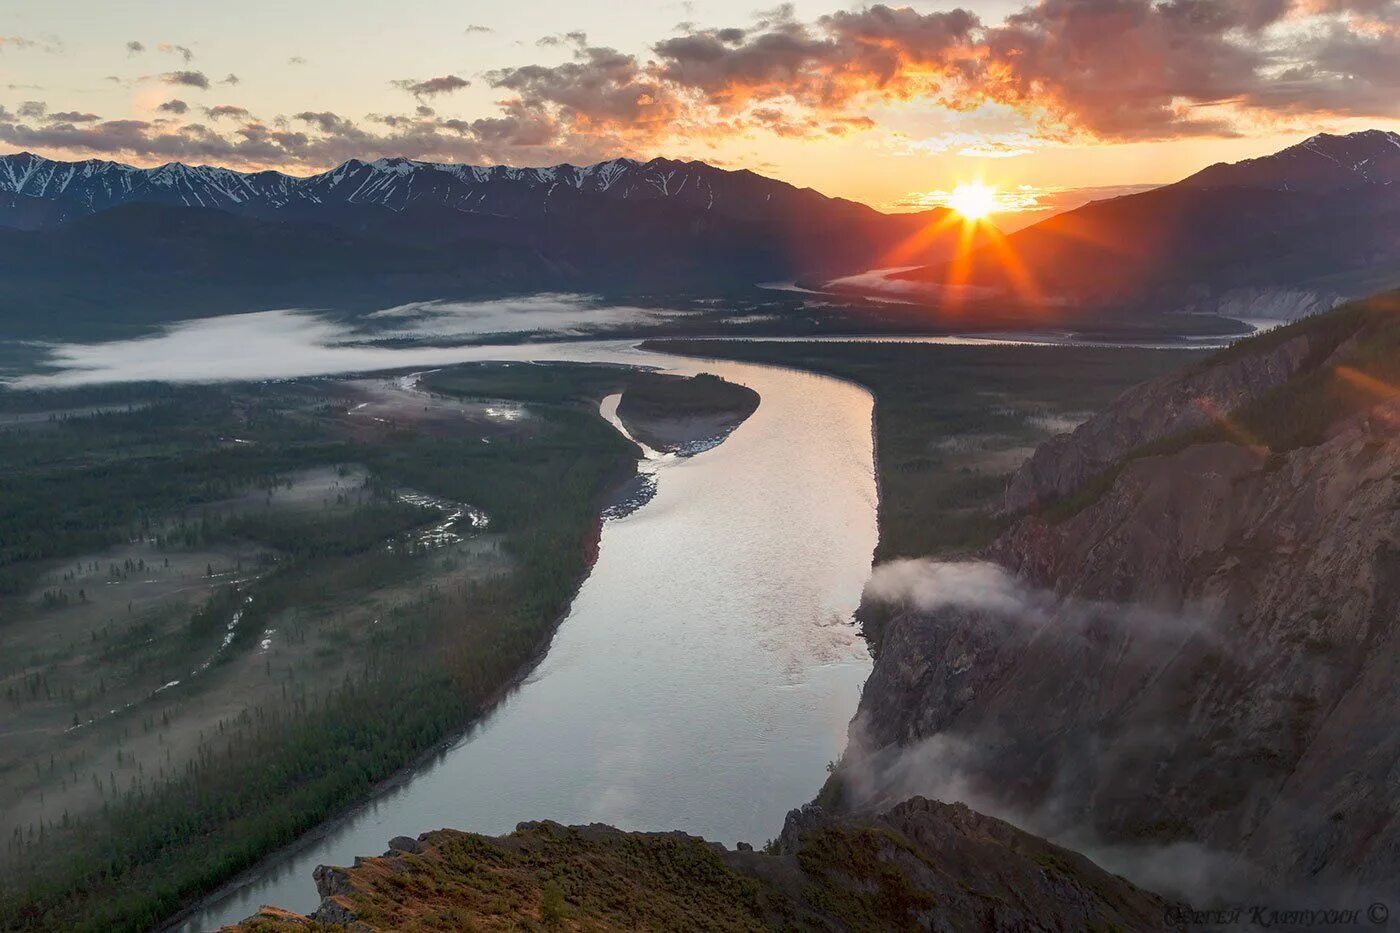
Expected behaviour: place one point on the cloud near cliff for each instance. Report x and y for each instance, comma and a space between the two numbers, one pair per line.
984, 587
1036, 781
933, 585
965, 768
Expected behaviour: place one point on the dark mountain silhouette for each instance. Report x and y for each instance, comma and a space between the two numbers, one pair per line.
1307, 226
652, 223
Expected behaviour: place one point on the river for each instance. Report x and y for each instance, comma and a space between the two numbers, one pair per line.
707, 670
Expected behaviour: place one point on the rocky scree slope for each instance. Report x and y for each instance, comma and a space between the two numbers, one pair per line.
1197, 640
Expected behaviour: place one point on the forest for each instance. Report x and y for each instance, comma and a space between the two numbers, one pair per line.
170, 553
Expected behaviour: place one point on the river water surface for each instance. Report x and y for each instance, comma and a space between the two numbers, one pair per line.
708, 668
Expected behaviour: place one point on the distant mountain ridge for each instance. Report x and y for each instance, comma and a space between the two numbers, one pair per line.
396, 229
1304, 228
1323, 163
76, 189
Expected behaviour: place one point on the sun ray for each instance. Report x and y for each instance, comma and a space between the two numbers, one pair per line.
919, 241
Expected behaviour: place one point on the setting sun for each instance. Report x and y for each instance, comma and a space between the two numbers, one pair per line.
973, 201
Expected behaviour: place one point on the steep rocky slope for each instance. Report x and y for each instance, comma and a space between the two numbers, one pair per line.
1191, 643
920, 865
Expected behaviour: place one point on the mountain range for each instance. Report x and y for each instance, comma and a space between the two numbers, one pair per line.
97, 242
152, 241
1293, 232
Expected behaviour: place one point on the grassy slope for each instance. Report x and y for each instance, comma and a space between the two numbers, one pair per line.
920, 863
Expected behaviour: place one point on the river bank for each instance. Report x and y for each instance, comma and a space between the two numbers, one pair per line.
422, 682
703, 677
673, 407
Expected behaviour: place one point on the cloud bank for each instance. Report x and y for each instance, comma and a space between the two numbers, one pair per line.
1108, 70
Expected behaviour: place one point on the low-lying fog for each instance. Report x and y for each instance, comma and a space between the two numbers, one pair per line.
290, 342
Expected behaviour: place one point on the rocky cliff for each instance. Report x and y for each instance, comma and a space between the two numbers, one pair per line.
1176, 403
1191, 642
920, 865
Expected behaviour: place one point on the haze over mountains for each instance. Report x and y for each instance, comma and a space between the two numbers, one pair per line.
396, 229
1289, 233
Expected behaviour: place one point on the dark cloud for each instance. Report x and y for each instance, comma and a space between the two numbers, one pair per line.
230, 79
326, 121
72, 116
577, 38
185, 53
32, 109
601, 87
316, 139
473, 27
142, 139
230, 111
518, 126
1341, 70
431, 87
1109, 69
896, 53
135, 48
1121, 69
1113, 69
296, 60
187, 78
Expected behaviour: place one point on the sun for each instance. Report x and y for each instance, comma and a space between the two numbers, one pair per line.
973, 200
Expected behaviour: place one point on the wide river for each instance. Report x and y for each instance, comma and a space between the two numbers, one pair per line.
707, 670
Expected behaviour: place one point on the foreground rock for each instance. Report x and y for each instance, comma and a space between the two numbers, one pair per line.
921, 865
1201, 648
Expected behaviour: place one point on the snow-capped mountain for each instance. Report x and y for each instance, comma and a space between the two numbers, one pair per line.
37, 192
1320, 164
182, 239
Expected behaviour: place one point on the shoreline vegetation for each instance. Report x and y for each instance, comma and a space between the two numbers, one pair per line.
235, 611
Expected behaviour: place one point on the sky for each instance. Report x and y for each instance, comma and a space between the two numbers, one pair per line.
1052, 102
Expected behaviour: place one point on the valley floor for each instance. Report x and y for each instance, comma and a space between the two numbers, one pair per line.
230, 611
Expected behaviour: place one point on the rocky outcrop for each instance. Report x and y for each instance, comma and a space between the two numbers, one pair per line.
1207, 654
920, 865
1265, 303
1163, 407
